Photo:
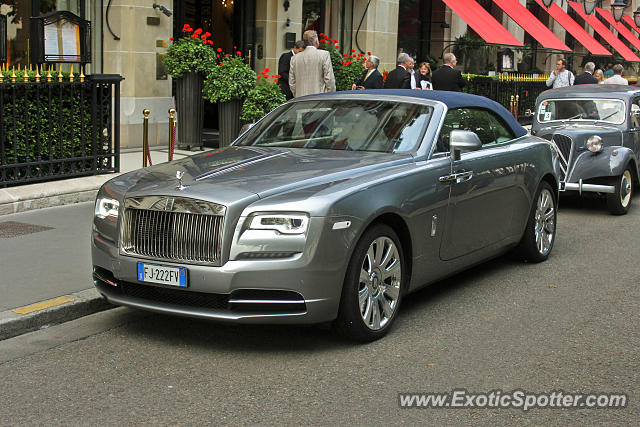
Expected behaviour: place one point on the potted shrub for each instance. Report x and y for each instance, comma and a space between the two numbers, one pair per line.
187, 60
228, 83
263, 98
347, 68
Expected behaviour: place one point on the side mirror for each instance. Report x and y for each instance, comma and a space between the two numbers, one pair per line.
463, 140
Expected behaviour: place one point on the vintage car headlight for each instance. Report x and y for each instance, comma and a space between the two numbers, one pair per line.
106, 206
284, 223
594, 143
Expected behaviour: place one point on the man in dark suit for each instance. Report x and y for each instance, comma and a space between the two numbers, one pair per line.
284, 63
587, 78
447, 77
371, 77
400, 78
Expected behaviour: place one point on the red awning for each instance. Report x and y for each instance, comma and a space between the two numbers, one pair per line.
531, 24
600, 28
622, 29
482, 22
630, 22
575, 29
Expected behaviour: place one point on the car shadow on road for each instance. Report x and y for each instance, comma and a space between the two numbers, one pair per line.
588, 203
169, 330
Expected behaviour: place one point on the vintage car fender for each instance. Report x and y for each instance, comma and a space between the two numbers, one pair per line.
610, 161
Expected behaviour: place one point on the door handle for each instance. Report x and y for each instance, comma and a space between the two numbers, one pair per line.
457, 177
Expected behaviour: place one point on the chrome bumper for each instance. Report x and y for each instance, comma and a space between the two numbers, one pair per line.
580, 187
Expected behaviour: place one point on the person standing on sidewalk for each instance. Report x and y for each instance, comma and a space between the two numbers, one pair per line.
447, 77
311, 70
284, 64
587, 77
561, 77
617, 78
400, 78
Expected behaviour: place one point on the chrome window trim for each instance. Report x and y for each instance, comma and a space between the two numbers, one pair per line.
624, 111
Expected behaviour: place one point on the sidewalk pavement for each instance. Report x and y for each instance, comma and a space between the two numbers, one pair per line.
40, 308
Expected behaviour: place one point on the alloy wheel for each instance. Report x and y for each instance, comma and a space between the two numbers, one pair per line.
545, 223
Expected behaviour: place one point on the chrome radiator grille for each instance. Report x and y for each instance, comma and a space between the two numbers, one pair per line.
564, 144
171, 233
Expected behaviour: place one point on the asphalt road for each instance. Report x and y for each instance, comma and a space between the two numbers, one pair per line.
568, 324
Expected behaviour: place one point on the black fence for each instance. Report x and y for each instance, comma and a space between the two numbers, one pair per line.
58, 129
516, 94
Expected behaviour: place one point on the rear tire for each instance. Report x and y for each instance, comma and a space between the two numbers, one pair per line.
540, 233
373, 286
619, 202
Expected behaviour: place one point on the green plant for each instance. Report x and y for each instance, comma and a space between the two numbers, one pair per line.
230, 79
263, 98
473, 53
346, 67
193, 52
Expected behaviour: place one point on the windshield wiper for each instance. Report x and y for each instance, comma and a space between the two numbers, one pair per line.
601, 120
579, 116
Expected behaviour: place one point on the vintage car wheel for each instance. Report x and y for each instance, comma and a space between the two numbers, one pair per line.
619, 202
539, 236
372, 290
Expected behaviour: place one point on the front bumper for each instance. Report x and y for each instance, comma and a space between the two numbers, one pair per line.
301, 289
581, 187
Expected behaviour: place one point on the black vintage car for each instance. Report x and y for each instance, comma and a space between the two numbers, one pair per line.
596, 131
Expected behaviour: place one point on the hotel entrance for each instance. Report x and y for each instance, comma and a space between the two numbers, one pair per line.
232, 24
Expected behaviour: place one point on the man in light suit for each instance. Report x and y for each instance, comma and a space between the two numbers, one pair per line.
311, 70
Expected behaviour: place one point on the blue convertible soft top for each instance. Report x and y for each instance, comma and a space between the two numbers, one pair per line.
452, 100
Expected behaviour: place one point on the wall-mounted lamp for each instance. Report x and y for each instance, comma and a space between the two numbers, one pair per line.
547, 3
162, 9
589, 6
286, 5
636, 16
617, 8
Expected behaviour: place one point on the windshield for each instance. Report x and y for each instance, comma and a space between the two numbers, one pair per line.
606, 110
358, 125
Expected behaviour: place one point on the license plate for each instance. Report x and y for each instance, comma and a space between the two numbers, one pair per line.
173, 276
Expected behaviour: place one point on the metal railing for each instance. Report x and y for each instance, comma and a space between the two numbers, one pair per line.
56, 126
517, 93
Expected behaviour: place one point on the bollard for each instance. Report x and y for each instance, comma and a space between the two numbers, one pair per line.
172, 132
511, 104
145, 137
517, 105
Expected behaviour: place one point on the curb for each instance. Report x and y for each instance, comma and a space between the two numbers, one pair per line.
43, 195
84, 303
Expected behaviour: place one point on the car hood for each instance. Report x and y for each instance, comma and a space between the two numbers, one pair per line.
234, 173
580, 133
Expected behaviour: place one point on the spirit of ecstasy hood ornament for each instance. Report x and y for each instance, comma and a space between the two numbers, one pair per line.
179, 175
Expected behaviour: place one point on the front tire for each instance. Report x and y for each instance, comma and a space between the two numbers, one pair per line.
539, 236
373, 286
618, 203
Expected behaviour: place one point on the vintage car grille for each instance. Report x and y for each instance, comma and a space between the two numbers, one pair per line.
565, 149
173, 229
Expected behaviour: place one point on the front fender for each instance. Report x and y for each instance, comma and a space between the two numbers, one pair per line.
610, 161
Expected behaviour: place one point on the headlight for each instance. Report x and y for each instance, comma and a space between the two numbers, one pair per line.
106, 206
283, 223
594, 143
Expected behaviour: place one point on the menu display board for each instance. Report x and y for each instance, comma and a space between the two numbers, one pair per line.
60, 37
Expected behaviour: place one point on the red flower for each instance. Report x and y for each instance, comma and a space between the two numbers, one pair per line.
258, 76
187, 28
278, 76
276, 80
235, 47
208, 34
369, 53
238, 53
221, 65
353, 50
226, 55
210, 42
266, 70
204, 37
217, 55
198, 31
344, 54
219, 49
170, 38
194, 36
337, 47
